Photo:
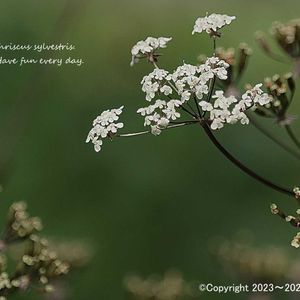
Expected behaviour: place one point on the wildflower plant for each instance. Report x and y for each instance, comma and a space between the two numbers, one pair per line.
207, 94
29, 261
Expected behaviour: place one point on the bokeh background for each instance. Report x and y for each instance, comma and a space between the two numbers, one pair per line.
145, 204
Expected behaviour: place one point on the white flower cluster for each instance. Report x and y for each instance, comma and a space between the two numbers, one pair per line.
195, 79
186, 79
159, 114
147, 47
156, 82
104, 126
212, 23
230, 110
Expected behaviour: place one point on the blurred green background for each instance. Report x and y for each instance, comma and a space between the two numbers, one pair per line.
145, 204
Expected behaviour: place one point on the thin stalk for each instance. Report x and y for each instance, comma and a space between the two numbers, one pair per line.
187, 111
294, 221
244, 168
213, 82
214, 45
211, 89
197, 105
292, 135
131, 134
191, 108
272, 137
278, 58
186, 122
212, 86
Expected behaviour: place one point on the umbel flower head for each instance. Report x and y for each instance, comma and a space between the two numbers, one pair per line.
147, 49
282, 90
189, 89
230, 110
237, 60
20, 224
36, 264
212, 23
104, 126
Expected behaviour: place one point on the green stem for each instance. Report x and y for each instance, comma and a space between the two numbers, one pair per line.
276, 140
292, 135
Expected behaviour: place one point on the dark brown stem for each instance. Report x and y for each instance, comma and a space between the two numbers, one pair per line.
295, 222
197, 105
244, 168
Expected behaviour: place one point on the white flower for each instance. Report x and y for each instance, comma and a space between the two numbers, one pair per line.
186, 80
155, 130
104, 126
160, 104
214, 66
174, 103
220, 101
108, 116
242, 118
171, 113
97, 145
190, 79
159, 114
163, 123
296, 191
217, 124
245, 102
296, 241
154, 82
201, 89
229, 110
166, 90
185, 96
147, 47
289, 218
145, 110
212, 23
256, 95
4, 281
220, 110
206, 106
185, 70
274, 209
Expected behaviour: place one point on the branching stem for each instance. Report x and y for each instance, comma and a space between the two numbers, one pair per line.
244, 168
